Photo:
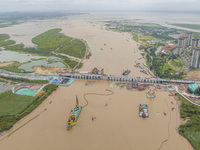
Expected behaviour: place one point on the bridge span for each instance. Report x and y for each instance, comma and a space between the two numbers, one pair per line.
125, 78
46, 76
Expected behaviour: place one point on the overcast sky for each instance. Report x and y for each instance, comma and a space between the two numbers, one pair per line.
99, 5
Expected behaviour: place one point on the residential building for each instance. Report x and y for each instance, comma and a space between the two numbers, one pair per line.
189, 38
196, 58
194, 44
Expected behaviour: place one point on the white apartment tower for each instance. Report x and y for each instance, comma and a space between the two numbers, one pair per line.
194, 44
182, 44
196, 58
189, 38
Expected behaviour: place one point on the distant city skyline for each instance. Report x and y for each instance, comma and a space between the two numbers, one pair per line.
100, 5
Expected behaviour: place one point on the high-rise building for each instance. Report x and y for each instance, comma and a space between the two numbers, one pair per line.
185, 42
196, 58
194, 44
181, 44
189, 38
178, 51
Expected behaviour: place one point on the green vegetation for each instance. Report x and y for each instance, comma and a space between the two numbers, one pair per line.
88, 56
31, 50
4, 81
13, 107
176, 64
50, 40
19, 47
4, 37
25, 80
161, 67
74, 48
6, 43
14, 68
135, 37
159, 64
189, 26
196, 35
191, 129
71, 63
12, 104
79, 66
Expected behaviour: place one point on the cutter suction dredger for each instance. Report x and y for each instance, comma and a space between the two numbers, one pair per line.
143, 110
74, 114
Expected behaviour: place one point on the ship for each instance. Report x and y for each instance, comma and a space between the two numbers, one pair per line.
126, 72
74, 114
97, 71
143, 110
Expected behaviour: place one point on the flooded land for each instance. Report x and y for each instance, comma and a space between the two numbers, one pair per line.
116, 124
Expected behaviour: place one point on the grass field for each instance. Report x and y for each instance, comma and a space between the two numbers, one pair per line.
4, 37
15, 47
13, 107
50, 40
74, 48
69, 62
14, 68
6, 43
12, 104
176, 65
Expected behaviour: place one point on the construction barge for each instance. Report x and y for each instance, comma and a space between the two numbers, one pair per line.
74, 114
126, 72
143, 110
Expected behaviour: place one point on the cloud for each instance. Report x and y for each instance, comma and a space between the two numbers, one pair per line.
24, 5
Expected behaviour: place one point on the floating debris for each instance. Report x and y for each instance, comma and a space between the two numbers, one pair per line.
89, 83
151, 94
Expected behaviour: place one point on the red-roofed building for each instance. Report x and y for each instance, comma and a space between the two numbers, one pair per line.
168, 48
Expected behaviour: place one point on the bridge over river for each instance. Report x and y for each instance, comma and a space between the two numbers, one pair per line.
126, 78
46, 76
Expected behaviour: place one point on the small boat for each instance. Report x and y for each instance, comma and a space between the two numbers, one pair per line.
74, 114
143, 110
126, 72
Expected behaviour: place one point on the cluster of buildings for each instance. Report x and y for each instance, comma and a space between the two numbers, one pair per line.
188, 42
168, 48
183, 43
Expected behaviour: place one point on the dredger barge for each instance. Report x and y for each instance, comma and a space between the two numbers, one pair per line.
126, 72
74, 114
143, 110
